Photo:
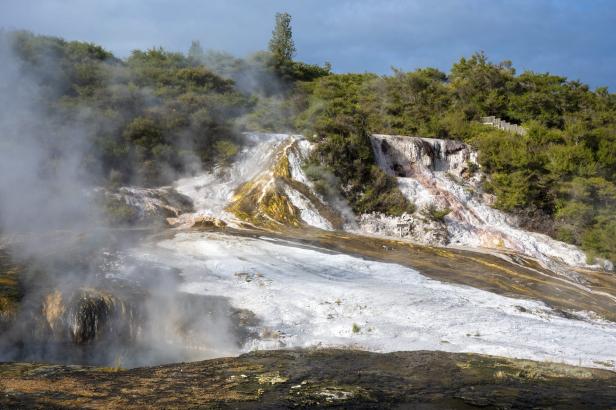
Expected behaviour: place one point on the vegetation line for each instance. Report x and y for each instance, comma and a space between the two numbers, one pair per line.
160, 114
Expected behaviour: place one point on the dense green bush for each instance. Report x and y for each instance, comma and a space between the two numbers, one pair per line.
334, 118
564, 168
436, 214
145, 118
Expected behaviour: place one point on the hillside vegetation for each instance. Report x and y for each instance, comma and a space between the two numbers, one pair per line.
560, 177
159, 114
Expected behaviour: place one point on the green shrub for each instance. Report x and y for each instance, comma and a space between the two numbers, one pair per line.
381, 194
225, 150
436, 214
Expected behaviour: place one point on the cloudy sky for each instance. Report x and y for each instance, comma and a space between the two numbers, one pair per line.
575, 38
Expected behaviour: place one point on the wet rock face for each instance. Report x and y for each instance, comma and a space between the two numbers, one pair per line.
90, 315
94, 315
406, 156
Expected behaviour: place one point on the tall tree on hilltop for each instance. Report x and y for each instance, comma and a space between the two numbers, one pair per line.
281, 44
196, 52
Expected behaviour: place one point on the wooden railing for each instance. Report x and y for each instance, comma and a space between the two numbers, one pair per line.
503, 125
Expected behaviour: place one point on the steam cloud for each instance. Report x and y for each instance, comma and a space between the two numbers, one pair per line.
41, 185
76, 308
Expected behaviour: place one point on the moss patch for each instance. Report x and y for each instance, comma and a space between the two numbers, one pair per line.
10, 288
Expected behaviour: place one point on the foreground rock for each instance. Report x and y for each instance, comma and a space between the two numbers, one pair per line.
322, 378
86, 302
132, 326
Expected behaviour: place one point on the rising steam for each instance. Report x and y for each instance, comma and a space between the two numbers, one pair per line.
83, 303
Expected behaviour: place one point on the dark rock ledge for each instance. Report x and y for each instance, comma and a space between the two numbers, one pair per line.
319, 378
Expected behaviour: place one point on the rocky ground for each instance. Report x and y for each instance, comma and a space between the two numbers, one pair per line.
341, 378
321, 378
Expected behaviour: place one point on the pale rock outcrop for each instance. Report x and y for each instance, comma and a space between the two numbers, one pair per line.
150, 204
265, 186
446, 175
415, 227
197, 221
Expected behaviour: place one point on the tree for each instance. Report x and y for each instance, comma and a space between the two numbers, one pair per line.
281, 44
195, 52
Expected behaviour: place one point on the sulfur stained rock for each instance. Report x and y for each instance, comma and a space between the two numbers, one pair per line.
281, 196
